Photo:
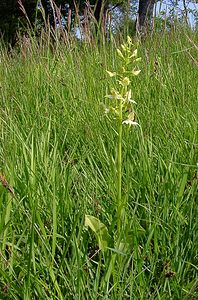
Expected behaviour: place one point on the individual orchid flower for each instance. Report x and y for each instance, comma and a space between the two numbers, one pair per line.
120, 53
134, 54
114, 95
136, 72
124, 81
111, 74
128, 97
130, 122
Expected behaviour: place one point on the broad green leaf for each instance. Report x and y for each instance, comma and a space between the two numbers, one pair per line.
117, 251
100, 231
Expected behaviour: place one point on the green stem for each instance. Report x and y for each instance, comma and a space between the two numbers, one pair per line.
119, 170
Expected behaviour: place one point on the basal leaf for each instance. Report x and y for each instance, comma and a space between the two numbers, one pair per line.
100, 231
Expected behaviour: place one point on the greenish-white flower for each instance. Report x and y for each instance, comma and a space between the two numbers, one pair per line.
134, 54
129, 40
128, 97
123, 48
125, 81
137, 59
120, 53
130, 122
107, 110
114, 95
136, 72
111, 74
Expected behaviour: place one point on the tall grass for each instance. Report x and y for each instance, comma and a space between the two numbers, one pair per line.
58, 156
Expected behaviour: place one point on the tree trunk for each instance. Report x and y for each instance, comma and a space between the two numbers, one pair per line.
10, 12
8, 9
145, 14
100, 9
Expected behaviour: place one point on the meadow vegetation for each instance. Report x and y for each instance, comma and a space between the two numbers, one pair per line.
58, 158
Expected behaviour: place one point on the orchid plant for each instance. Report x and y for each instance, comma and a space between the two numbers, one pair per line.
122, 106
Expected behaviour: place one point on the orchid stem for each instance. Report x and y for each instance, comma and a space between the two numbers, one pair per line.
119, 168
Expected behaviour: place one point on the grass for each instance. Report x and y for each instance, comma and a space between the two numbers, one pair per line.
58, 157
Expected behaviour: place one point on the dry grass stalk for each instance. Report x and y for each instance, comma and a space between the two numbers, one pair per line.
6, 185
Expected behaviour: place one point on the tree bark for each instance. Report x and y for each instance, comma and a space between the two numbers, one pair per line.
145, 14
10, 12
100, 9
